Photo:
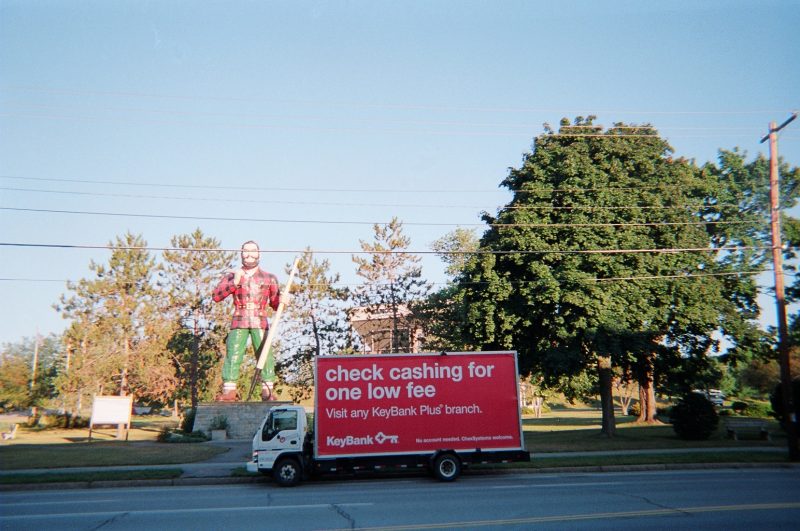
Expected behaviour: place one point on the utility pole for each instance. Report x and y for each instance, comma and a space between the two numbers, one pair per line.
777, 258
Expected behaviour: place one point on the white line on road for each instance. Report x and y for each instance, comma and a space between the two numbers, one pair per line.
217, 510
556, 485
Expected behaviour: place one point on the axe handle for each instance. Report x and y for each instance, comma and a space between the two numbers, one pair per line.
267, 342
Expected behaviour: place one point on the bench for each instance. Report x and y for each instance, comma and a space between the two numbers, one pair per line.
8, 435
736, 425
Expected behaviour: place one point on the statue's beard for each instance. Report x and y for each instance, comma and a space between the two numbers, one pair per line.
249, 263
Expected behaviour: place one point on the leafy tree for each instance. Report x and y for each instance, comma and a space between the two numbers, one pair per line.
316, 323
574, 277
87, 369
15, 378
119, 316
191, 270
393, 283
18, 389
456, 249
741, 195
441, 314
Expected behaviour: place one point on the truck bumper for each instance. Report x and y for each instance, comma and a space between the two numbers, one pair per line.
252, 467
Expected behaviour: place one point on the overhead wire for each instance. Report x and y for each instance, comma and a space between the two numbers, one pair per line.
457, 128
365, 105
389, 251
219, 199
370, 223
480, 283
161, 184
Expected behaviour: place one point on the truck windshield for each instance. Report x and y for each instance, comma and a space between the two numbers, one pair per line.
277, 422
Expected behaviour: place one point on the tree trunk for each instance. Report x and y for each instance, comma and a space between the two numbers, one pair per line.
537, 406
606, 395
126, 351
647, 393
315, 330
193, 367
123, 386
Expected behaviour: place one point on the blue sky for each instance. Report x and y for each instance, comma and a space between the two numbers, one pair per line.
326, 117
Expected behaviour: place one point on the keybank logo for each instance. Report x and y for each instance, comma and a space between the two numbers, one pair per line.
367, 440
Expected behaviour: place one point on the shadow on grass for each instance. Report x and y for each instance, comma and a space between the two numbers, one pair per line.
580, 431
103, 453
109, 475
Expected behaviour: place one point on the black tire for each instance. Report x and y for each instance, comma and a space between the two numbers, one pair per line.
287, 472
447, 467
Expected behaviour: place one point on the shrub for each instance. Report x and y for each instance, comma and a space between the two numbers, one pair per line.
220, 422
79, 422
694, 417
758, 410
166, 435
776, 400
739, 407
187, 425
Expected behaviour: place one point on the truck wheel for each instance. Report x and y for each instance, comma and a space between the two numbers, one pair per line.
447, 467
287, 473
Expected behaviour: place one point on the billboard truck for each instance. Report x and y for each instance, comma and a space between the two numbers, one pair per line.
441, 411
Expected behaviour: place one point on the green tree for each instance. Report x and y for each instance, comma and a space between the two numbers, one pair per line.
315, 323
576, 275
118, 311
191, 270
441, 314
15, 378
20, 385
456, 249
392, 285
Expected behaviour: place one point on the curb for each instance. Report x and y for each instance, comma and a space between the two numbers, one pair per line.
108, 484
230, 480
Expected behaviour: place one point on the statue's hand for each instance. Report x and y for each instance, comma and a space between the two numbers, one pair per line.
237, 276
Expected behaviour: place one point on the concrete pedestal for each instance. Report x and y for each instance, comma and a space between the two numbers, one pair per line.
243, 418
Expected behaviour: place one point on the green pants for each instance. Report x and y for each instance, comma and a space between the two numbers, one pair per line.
236, 344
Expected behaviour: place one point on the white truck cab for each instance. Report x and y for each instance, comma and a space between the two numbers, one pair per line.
281, 439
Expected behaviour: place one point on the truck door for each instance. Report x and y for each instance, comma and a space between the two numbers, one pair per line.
279, 434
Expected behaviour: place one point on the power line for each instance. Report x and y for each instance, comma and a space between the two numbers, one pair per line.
481, 283
393, 106
411, 252
238, 200
371, 223
247, 188
569, 189
218, 199
263, 117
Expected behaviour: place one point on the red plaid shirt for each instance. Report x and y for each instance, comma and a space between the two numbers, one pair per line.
250, 298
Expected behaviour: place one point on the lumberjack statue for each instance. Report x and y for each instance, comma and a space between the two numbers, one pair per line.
253, 289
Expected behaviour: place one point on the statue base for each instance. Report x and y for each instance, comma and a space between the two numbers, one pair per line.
244, 418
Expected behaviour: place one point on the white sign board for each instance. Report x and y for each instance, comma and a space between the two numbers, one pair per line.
111, 410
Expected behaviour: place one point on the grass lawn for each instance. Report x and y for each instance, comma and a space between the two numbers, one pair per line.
109, 475
58, 447
14, 457
578, 430
561, 430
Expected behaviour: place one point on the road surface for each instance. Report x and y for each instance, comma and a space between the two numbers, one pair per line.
698, 499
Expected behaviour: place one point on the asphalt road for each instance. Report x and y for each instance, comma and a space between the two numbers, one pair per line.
699, 499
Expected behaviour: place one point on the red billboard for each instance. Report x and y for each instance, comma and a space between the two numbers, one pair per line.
412, 403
